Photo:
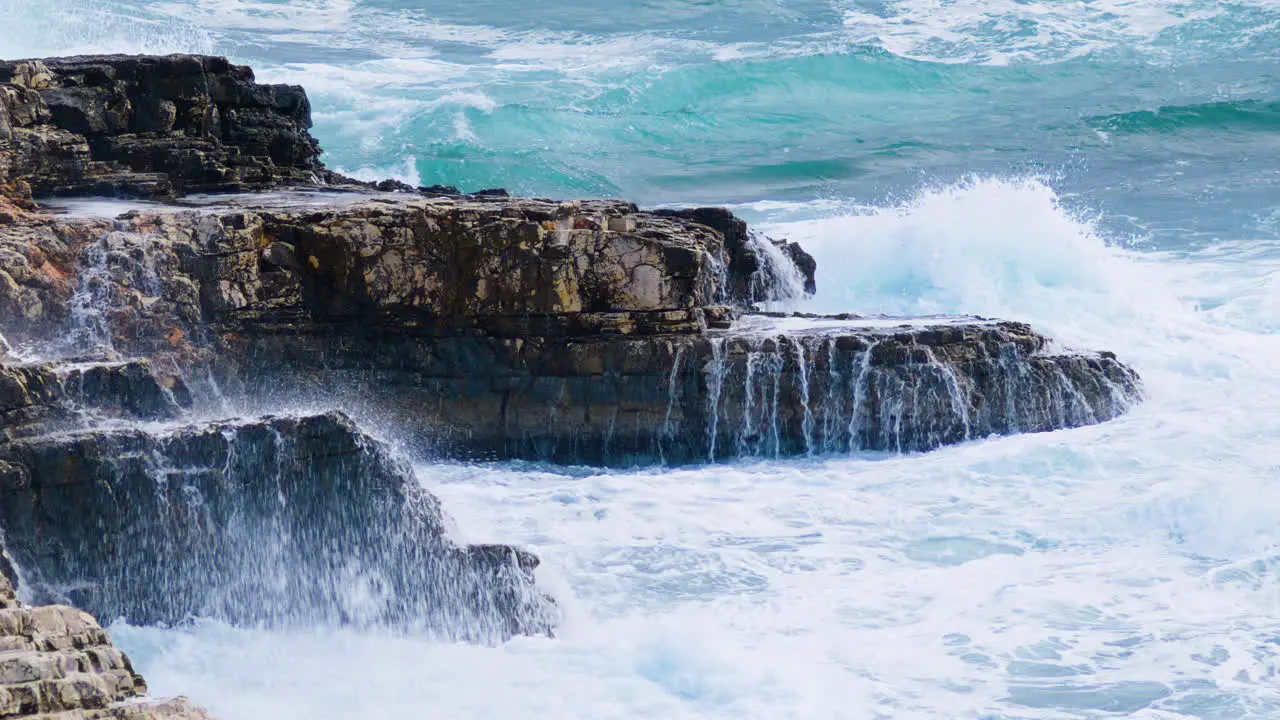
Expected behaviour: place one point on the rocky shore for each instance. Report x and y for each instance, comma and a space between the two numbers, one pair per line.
477, 325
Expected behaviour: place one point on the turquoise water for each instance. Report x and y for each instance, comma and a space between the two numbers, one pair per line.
1136, 106
1107, 170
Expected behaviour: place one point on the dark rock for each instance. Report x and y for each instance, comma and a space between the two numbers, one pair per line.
804, 262
394, 186
583, 331
283, 521
282, 256
442, 267
440, 191
280, 520
487, 325
752, 391
37, 398
752, 268
151, 126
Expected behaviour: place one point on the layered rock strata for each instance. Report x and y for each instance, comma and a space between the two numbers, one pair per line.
477, 326
755, 391
580, 332
440, 267
56, 662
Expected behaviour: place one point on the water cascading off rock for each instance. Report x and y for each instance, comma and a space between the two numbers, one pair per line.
280, 521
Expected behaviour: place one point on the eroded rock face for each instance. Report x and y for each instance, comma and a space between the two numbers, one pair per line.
757, 390
278, 520
281, 520
148, 283
521, 328
757, 267
444, 265
487, 326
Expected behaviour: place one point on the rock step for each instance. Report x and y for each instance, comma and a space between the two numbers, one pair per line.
57, 663
20, 666
172, 709
37, 398
773, 387
49, 628
253, 522
75, 691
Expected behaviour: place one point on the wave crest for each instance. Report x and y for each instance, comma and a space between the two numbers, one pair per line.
993, 246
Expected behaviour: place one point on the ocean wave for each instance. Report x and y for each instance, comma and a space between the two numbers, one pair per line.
1259, 115
73, 27
994, 246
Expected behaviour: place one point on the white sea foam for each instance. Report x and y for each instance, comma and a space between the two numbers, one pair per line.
1131, 567
1000, 32
72, 27
407, 172
989, 246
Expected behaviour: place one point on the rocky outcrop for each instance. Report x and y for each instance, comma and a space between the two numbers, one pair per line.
149, 126
484, 325
57, 662
478, 326
145, 283
277, 520
758, 268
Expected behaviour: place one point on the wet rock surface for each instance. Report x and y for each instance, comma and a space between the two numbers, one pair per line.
522, 328
759, 390
178, 284
42, 397
278, 520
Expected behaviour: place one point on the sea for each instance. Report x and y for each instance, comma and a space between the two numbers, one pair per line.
1106, 170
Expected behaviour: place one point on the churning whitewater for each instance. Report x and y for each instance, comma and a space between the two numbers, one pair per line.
1108, 172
